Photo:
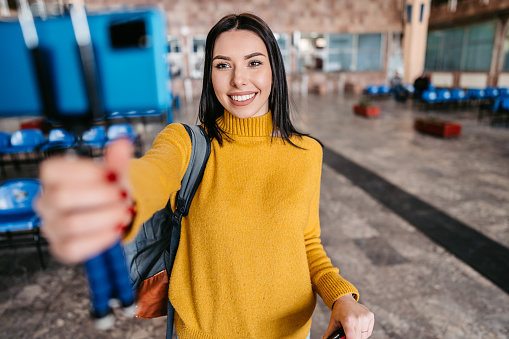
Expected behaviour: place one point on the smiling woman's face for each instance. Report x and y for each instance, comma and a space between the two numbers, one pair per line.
241, 73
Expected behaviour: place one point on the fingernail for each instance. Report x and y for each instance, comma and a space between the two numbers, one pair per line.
121, 227
111, 176
131, 211
123, 194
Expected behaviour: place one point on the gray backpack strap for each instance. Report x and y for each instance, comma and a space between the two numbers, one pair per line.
200, 152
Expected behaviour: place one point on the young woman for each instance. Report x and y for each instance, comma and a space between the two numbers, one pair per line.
250, 260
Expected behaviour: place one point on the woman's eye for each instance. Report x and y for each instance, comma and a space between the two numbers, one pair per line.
254, 63
221, 65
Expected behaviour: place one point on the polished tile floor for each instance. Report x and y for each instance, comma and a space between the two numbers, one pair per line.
420, 224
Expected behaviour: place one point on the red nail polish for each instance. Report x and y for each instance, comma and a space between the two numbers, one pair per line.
123, 194
111, 177
120, 227
131, 211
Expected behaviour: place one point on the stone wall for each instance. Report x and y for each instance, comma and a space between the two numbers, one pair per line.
283, 16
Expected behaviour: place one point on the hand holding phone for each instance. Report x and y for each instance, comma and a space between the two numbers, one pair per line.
338, 334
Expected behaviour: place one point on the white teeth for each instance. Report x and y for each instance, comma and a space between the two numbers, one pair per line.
242, 97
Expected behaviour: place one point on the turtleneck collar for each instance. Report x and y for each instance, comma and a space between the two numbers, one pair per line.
250, 127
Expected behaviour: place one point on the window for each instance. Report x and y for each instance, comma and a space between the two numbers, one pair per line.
433, 50
451, 56
340, 52
422, 13
369, 57
480, 47
197, 57
175, 58
283, 41
460, 49
409, 13
312, 52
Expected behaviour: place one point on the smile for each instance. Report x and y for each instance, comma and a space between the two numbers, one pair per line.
242, 97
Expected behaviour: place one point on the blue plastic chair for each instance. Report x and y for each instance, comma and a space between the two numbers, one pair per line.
491, 92
95, 137
457, 94
371, 90
497, 104
59, 139
94, 140
27, 140
503, 92
384, 89
504, 104
475, 93
24, 142
443, 95
429, 96
5, 140
17, 216
118, 131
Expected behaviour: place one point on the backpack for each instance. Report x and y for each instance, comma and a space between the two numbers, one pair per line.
150, 256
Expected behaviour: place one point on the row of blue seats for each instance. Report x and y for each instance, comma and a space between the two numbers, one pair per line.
441, 95
17, 216
29, 141
374, 90
460, 95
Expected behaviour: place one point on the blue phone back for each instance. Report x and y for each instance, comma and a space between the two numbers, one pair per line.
131, 78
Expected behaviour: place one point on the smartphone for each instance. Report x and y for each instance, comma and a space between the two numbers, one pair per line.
130, 49
338, 334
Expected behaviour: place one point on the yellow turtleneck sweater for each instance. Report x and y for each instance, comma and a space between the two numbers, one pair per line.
250, 258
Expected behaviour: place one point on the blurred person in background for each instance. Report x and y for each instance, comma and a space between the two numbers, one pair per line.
421, 84
398, 90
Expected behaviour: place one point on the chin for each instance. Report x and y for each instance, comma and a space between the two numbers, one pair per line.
246, 115
241, 115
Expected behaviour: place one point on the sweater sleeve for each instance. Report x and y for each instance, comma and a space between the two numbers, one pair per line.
324, 276
158, 174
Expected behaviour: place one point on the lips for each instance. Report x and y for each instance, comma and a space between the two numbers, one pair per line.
242, 99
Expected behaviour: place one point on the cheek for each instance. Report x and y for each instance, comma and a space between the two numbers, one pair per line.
264, 82
218, 85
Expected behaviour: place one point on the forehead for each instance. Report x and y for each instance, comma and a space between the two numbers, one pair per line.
239, 42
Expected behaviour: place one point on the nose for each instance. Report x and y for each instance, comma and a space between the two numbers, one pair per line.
239, 77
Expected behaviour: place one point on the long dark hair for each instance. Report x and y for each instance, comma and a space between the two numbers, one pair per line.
210, 107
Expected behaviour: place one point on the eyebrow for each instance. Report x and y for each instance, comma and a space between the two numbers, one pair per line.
249, 56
